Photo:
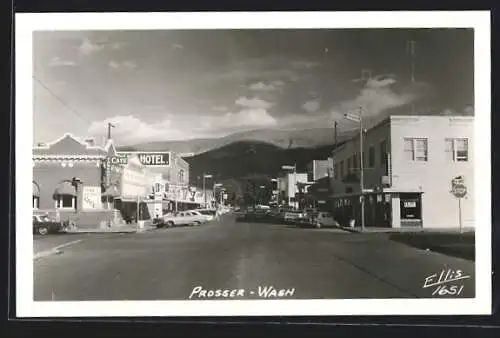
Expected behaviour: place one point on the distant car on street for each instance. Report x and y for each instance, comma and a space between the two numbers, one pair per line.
322, 219
182, 218
293, 216
43, 225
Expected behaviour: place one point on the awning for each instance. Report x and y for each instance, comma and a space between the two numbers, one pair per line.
65, 188
36, 190
111, 191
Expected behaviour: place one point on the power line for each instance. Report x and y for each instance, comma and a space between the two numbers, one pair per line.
60, 99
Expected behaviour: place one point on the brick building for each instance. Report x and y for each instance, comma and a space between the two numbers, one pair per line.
68, 176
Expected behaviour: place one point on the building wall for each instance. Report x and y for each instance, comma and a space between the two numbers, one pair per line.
48, 175
317, 169
433, 177
372, 172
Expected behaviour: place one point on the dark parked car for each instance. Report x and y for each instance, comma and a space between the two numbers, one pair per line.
43, 225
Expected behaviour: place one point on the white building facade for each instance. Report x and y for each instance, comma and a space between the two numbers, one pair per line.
409, 164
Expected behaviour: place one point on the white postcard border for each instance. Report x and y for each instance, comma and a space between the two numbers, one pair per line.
26, 23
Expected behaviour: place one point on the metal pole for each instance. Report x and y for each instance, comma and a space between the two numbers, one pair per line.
137, 215
295, 184
460, 213
175, 198
362, 178
204, 192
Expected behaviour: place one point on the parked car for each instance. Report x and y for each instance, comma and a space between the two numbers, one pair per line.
293, 216
208, 213
43, 225
202, 217
322, 219
181, 218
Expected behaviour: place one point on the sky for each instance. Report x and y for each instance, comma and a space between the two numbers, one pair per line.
176, 85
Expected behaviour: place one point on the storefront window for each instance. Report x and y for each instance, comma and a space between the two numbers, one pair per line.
410, 206
65, 201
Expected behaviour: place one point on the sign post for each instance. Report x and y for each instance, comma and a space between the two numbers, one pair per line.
459, 190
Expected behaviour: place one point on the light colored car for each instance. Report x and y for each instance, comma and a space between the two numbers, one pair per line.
208, 213
324, 219
181, 218
293, 216
201, 216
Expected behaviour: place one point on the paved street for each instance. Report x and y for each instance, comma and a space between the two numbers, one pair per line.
234, 259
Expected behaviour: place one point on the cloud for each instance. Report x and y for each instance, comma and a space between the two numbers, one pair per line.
122, 65
87, 47
253, 103
58, 62
377, 96
302, 64
261, 86
130, 129
311, 106
177, 46
118, 45
220, 108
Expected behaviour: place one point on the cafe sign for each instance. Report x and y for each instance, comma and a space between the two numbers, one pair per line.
155, 159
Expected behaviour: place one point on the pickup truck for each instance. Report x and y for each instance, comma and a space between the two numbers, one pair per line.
43, 225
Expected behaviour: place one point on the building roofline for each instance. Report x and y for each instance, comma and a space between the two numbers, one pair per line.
77, 139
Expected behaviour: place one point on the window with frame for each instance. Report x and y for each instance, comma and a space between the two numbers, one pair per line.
383, 153
36, 202
371, 157
457, 149
354, 162
349, 164
341, 171
415, 149
66, 201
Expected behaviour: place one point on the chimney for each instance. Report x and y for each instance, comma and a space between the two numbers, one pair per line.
90, 142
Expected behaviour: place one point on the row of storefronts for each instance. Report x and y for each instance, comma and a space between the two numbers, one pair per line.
95, 185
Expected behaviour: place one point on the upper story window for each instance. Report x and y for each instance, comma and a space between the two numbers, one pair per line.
157, 187
341, 171
383, 153
371, 157
416, 149
349, 164
354, 162
457, 149
181, 176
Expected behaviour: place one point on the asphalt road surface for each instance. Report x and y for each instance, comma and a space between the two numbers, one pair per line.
238, 260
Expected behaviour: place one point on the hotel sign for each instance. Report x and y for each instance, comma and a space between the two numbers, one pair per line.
154, 159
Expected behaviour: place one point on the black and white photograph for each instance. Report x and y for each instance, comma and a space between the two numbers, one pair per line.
205, 164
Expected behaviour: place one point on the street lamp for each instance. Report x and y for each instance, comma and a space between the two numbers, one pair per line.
358, 118
294, 168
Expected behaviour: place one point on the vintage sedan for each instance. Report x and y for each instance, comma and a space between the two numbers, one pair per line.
182, 218
43, 225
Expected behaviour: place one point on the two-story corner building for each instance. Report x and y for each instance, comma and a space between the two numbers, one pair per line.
69, 178
409, 164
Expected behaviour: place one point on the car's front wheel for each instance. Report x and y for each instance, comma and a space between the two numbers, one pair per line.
170, 224
43, 230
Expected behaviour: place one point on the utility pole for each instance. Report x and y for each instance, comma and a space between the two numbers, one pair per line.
361, 176
204, 192
110, 125
410, 48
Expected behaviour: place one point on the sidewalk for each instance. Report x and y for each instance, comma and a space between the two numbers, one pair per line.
128, 228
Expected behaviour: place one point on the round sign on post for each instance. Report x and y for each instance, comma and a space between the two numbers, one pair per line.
459, 190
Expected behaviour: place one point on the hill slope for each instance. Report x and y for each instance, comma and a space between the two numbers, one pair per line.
284, 139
